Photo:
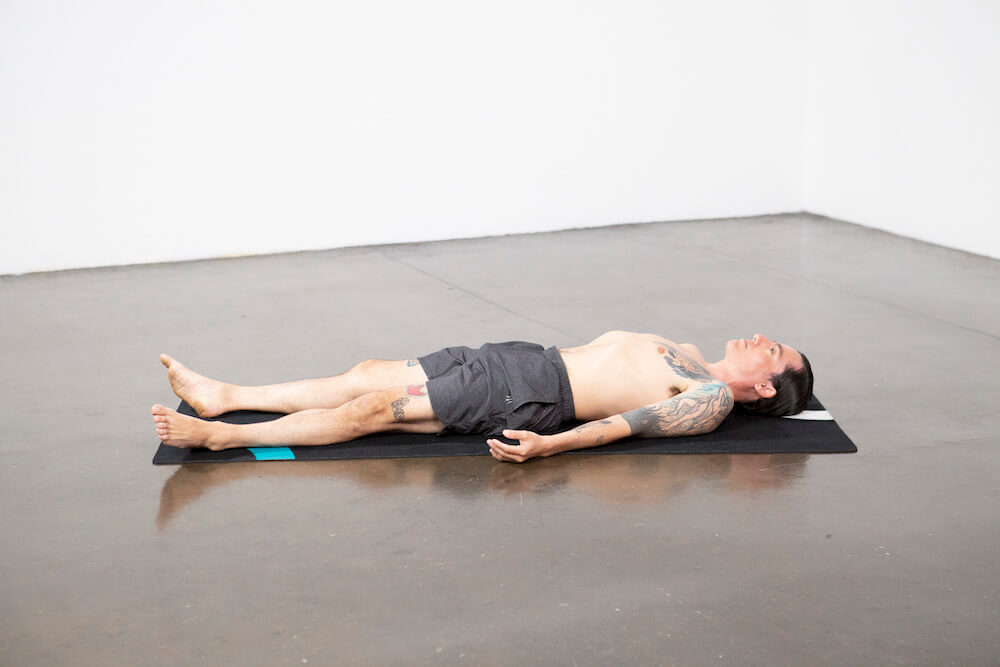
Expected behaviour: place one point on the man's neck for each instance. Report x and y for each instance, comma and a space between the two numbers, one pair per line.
720, 371
717, 369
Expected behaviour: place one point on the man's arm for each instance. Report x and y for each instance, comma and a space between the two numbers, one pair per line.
692, 412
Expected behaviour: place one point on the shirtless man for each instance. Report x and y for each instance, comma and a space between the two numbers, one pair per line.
620, 384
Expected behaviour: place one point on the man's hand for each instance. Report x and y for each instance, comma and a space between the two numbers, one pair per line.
530, 445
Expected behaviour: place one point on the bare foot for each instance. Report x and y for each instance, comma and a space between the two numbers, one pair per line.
205, 395
179, 430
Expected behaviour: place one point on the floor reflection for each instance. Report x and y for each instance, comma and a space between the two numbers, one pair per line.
637, 479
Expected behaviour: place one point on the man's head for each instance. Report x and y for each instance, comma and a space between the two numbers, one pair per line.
768, 378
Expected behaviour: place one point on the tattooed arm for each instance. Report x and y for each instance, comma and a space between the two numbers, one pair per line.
693, 412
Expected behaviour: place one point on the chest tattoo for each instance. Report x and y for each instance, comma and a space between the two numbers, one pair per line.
682, 364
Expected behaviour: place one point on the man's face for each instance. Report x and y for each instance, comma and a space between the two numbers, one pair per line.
756, 359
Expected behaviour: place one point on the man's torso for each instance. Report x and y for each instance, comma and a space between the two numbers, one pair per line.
620, 371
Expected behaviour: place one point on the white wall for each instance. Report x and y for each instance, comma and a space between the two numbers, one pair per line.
152, 131
147, 131
903, 118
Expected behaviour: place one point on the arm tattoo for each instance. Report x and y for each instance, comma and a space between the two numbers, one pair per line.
589, 424
397, 408
412, 362
691, 413
416, 390
681, 363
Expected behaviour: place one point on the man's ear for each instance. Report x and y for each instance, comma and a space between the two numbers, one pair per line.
765, 389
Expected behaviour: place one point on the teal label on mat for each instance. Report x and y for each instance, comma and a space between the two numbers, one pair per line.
271, 453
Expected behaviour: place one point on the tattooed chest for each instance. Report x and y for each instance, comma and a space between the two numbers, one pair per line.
680, 363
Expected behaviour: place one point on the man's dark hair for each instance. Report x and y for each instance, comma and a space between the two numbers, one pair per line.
793, 387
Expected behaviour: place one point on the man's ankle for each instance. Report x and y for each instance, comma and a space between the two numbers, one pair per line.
232, 397
222, 436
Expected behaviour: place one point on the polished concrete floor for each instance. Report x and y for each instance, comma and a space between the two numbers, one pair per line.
887, 556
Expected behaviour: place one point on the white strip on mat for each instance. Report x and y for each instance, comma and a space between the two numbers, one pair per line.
812, 415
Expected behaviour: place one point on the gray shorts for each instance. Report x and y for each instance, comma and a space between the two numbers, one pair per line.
501, 385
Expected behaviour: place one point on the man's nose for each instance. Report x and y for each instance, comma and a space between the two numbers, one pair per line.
760, 338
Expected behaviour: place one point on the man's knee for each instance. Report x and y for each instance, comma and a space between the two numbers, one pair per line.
364, 369
371, 409
386, 407
362, 378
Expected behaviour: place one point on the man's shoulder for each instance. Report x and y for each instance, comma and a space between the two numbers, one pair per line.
715, 396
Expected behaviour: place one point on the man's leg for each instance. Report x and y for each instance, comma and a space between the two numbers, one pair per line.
405, 409
211, 398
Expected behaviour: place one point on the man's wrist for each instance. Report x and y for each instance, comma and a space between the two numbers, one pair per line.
557, 443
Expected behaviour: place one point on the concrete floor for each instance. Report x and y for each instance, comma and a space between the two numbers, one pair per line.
888, 556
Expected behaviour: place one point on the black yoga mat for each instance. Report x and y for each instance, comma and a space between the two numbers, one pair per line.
813, 433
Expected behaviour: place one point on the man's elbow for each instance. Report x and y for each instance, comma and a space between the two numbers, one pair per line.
706, 425
707, 428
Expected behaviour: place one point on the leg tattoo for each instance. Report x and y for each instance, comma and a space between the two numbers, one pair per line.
397, 408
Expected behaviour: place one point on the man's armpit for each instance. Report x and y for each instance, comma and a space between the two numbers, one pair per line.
691, 413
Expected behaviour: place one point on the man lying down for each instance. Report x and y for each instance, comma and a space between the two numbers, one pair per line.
620, 384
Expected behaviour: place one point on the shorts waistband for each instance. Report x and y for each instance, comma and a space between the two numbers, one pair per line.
565, 390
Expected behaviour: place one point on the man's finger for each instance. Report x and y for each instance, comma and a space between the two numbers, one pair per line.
514, 450
505, 452
497, 453
502, 446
